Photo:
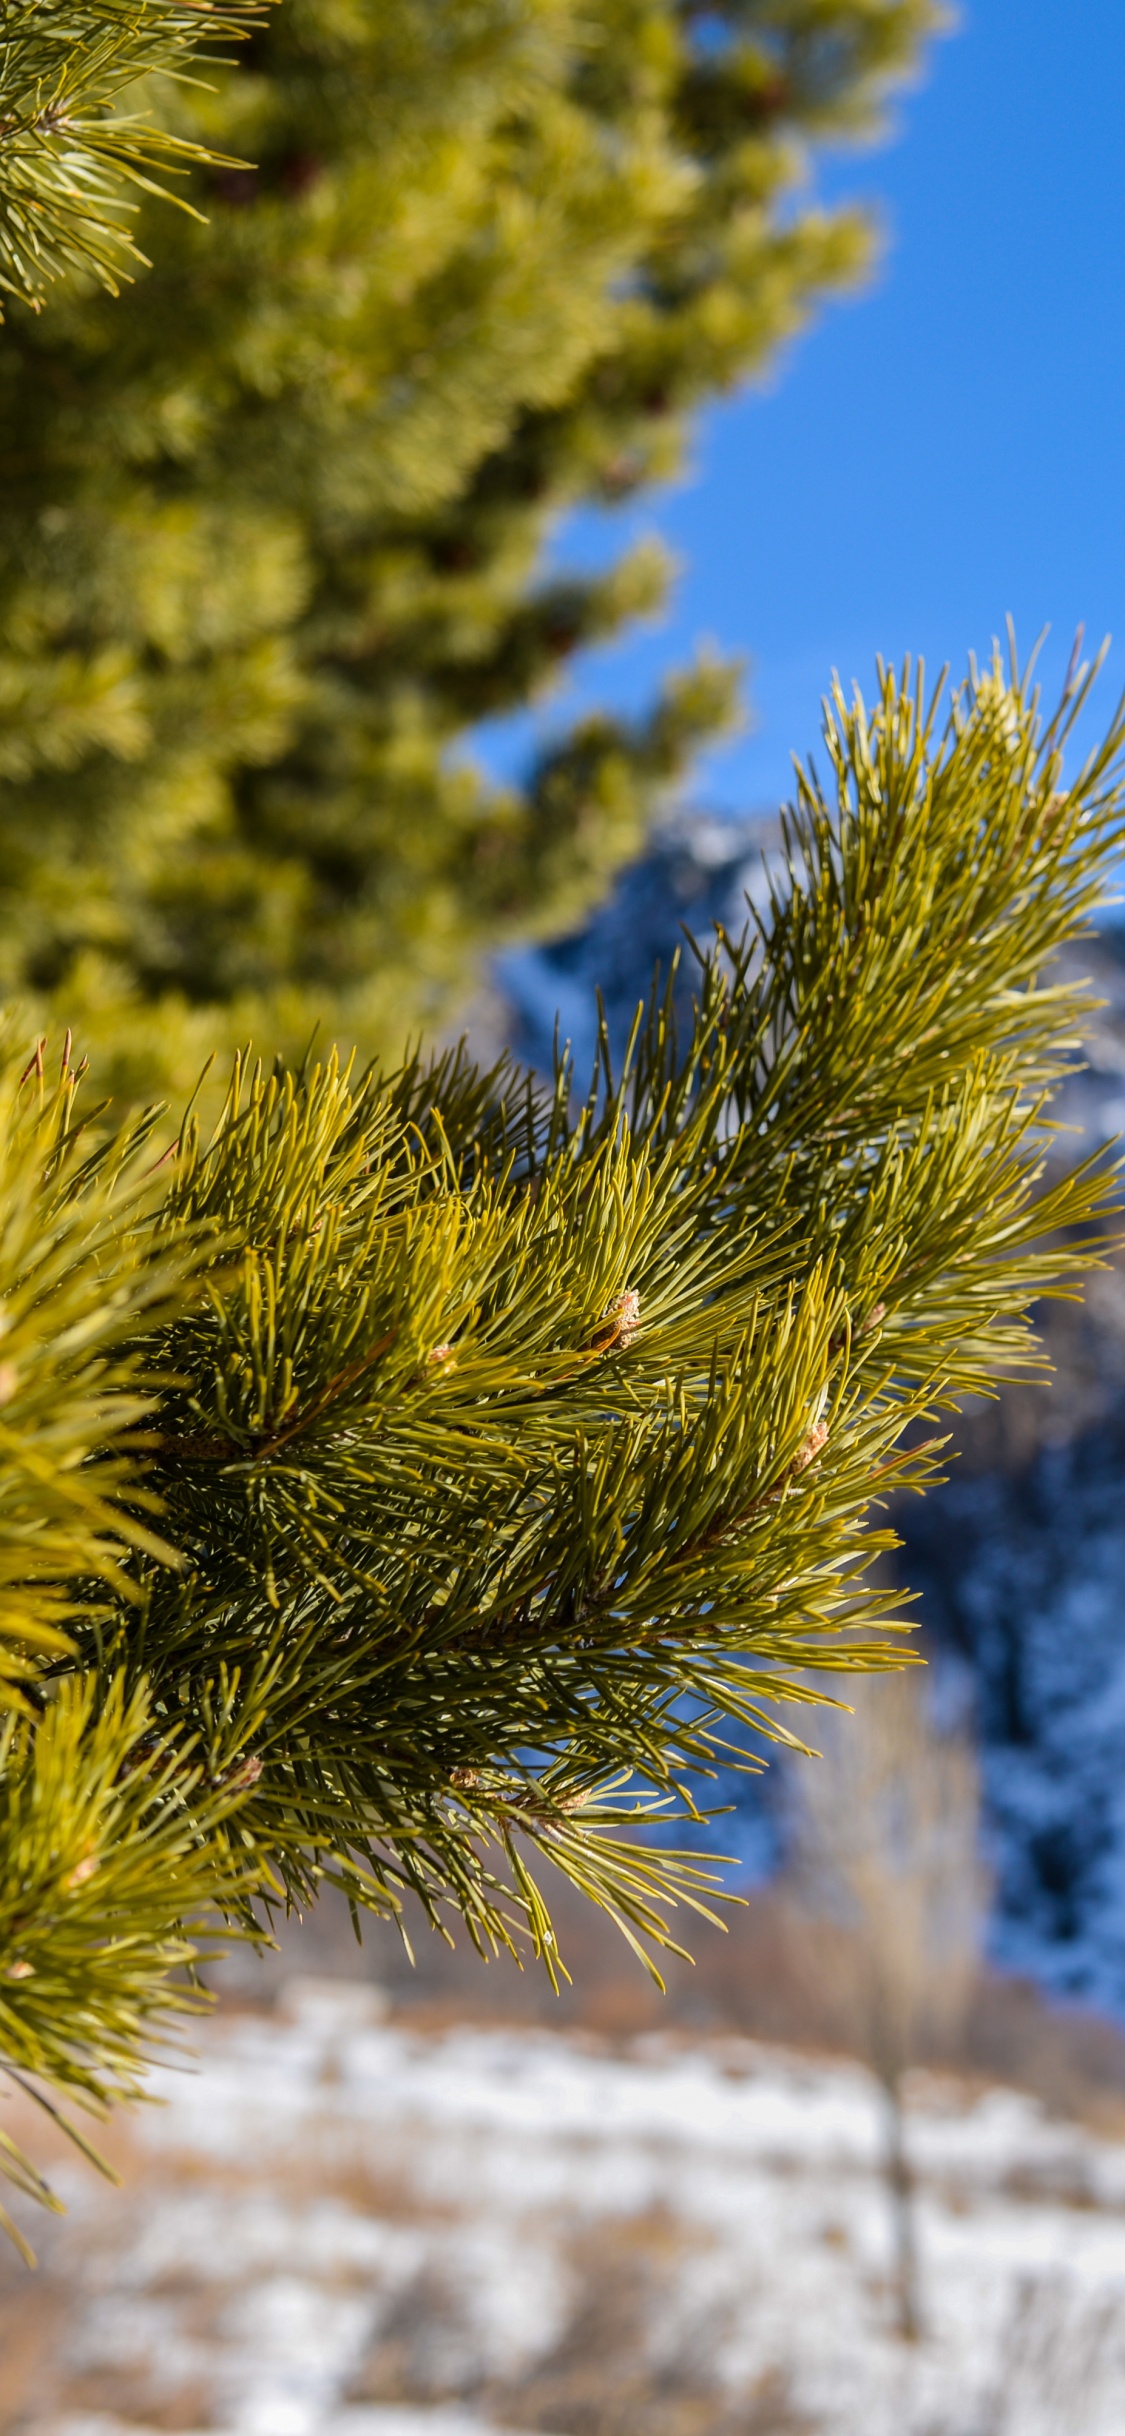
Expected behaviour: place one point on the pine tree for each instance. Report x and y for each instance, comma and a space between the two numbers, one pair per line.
419, 1482
271, 522
73, 160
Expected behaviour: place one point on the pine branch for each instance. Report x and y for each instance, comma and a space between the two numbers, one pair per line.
71, 159
523, 1458
462, 1490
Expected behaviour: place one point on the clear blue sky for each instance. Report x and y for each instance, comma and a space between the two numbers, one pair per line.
948, 446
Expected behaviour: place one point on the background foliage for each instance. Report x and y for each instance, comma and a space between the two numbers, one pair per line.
271, 522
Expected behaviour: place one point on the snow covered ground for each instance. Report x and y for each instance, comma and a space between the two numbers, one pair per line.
341, 2226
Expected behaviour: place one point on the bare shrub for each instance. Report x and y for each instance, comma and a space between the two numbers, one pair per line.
1060, 2349
888, 1893
611, 2372
426, 2351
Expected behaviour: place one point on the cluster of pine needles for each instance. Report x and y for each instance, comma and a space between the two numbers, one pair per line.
421, 1483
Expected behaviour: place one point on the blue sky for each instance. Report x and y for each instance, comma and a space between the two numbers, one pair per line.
945, 448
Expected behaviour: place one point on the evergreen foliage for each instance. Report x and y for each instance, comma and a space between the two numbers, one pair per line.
271, 522
72, 160
518, 1455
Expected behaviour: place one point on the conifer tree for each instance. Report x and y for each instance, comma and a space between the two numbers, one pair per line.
271, 521
419, 1479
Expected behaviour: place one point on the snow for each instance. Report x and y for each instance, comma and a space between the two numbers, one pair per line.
328, 2177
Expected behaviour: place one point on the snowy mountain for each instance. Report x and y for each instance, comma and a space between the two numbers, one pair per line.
697, 873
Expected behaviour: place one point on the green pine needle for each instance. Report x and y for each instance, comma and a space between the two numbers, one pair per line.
72, 160
523, 1455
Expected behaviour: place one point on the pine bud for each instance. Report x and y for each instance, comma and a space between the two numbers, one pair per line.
628, 1316
806, 1454
244, 1772
621, 1323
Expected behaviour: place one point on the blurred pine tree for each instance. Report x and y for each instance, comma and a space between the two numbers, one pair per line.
271, 521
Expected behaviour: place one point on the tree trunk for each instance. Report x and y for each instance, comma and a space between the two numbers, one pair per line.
900, 2185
